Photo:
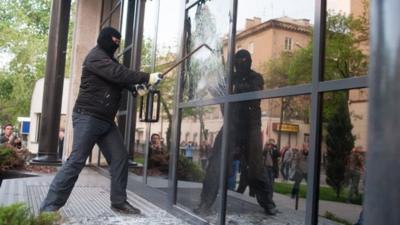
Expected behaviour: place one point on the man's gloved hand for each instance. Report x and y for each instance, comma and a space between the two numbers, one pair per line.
155, 79
138, 89
141, 89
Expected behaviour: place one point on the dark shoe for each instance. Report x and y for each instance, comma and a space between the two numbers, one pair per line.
271, 212
49, 208
125, 208
202, 210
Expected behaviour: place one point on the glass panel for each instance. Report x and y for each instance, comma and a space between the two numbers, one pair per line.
107, 6
268, 161
124, 23
158, 158
347, 39
148, 36
278, 36
207, 23
344, 147
199, 151
115, 18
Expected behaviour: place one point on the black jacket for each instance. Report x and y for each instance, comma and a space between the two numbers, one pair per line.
103, 79
247, 113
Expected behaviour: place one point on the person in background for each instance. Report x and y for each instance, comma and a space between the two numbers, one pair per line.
61, 134
300, 165
355, 171
189, 151
8, 138
204, 153
286, 159
158, 157
102, 82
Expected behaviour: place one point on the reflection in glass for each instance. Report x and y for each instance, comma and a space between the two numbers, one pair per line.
200, 133
347, 39
206, 23
278, 36
343, 151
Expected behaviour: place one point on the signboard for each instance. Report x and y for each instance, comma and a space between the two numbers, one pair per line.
25, 127
286, 127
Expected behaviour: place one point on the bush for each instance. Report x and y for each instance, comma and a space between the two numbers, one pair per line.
188, 170
19, 214
8, 158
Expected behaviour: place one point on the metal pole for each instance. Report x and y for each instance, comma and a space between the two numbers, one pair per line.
53, 83
225, 134
136, 59
314, 156
382, 195
176, 119
153, 66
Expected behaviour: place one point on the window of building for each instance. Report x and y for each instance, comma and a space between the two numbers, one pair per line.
288, 44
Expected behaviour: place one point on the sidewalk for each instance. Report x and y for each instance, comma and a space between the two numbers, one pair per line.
88, 204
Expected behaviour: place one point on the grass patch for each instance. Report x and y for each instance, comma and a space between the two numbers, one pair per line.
325, 193
138, 158
19, 214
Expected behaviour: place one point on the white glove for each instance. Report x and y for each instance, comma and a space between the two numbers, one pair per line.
141, 89
155, 79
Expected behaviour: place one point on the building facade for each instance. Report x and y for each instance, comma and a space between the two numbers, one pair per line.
301, 97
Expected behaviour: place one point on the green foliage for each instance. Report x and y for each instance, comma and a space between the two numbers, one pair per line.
325, 193
188, 170
339, 141
24, 25
8, 158
5, 154
19, 214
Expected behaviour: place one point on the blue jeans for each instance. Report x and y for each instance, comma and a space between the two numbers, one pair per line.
89, 131
232, 177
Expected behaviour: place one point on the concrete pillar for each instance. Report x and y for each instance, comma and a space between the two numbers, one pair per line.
87, 25
382, 198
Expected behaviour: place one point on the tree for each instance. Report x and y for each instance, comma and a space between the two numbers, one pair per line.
339, 140
24, 25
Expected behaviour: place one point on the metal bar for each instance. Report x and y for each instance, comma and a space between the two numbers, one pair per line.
126, 49
226, 134
314, 156
186, 57
135, 65
106, 19
155, 35
53, 83
274, 93
121, 14
146, 152
382, 203
128, 61
349, 83
176, 118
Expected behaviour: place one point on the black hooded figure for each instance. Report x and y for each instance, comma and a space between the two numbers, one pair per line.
244, 141
102, 81
106, 42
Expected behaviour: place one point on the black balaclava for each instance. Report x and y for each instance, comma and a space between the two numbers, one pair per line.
243, 61
105, 40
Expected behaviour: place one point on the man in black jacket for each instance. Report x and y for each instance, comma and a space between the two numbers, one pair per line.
103, 79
